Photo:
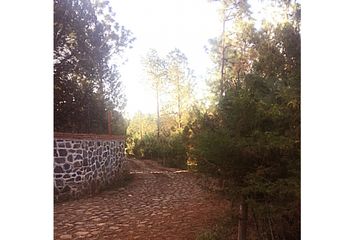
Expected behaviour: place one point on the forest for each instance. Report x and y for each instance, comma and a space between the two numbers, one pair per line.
246, 131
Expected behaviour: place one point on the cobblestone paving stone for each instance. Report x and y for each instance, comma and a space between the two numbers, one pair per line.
160, 203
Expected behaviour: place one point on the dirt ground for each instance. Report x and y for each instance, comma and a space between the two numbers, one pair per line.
159, 203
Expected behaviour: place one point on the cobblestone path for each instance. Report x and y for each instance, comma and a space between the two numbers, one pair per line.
159, 203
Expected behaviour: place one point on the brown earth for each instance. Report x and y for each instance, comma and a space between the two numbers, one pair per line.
159, 203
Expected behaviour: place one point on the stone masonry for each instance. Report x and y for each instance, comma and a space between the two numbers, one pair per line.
85, 163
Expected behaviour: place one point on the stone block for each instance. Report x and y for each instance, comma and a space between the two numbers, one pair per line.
61, 145
59, 160
63, 152
85, 162
77, 164
66, 166
58, 169
59, 182
66, 189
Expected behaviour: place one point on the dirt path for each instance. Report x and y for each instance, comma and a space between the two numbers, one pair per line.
160, 203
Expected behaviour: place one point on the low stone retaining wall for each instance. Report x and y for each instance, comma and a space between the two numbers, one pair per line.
85, 163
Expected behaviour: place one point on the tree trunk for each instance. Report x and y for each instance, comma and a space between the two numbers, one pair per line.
222, 57
270, 224
259, 235
179, 106
109, 122
141, 125
158, 112
242, 221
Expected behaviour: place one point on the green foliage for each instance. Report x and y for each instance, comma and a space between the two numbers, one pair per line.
172, 81
162, 137
139, 126
170, 151
253, 147
86, 83
119, 124
251, 140
179, 79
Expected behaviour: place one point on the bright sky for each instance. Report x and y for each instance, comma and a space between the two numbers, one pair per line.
165, 25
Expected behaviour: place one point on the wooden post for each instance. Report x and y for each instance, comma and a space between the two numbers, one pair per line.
109, 122
242, 222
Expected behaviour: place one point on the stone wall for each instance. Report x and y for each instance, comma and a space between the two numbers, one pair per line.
85, 163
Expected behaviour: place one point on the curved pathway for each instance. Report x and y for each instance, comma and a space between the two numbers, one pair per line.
159, 203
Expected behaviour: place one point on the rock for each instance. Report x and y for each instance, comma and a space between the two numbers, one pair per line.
82, 233
66, 236
66, 189
66, 166
77, 164
61, 145
85, 162
114, 228
58, 169
62, 152
59, 160
59, 182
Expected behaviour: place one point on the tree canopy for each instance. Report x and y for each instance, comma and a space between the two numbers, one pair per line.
251, 140
86, 80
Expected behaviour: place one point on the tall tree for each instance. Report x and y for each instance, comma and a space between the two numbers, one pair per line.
179, 76
86, 83
155, 67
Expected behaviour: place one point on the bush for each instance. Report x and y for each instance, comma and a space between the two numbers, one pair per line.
170, 150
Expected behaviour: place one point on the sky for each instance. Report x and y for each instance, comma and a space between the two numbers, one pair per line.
165, 25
